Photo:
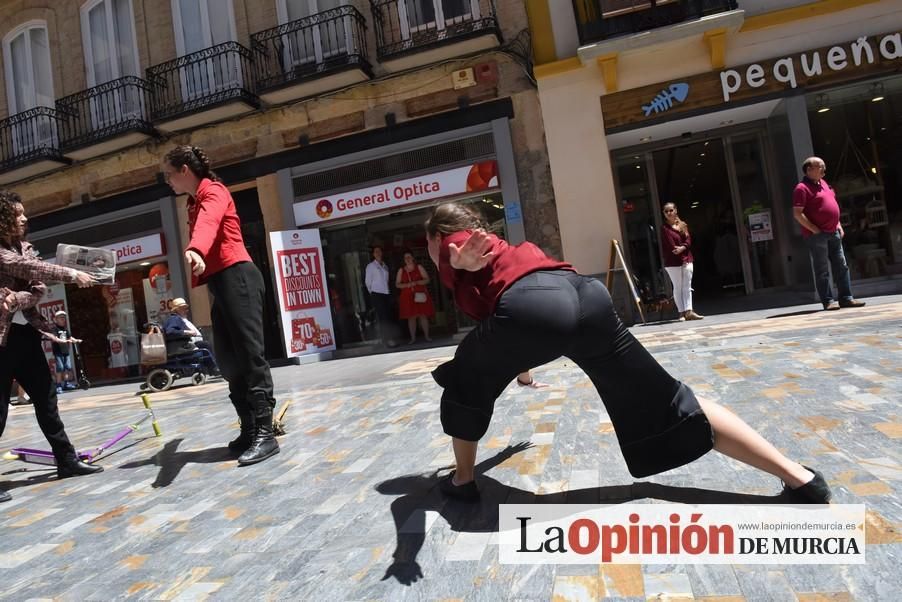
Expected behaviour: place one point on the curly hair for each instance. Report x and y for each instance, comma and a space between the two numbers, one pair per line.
9, 202
195, 158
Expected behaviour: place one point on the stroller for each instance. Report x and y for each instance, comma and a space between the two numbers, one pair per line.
183, 358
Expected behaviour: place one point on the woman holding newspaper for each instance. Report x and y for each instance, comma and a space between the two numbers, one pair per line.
22, 357
217, 257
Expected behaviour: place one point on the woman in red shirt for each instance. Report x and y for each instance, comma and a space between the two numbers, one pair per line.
218, 258
532, 310
676, 246
414, 301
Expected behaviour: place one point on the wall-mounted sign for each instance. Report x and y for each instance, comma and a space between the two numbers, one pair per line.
471, 178
864, 57
760, 226
137, 249
664, 100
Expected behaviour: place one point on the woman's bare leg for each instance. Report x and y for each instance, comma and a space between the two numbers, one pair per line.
424, 324
736, 439
412, 327
465, 459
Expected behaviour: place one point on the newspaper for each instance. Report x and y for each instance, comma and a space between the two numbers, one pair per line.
99, 263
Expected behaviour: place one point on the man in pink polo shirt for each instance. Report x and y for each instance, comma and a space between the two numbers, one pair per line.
815, 208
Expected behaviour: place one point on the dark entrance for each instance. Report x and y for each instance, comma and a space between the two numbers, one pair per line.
247, 203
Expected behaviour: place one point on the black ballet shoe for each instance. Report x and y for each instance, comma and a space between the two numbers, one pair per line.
815, 491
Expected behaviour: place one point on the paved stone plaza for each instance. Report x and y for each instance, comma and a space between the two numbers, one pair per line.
174, 518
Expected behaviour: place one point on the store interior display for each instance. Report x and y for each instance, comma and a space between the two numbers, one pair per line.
858, 133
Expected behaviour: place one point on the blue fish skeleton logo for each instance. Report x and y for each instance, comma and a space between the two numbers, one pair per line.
664, 100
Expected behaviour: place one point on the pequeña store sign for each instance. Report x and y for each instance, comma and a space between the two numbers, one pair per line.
867, 56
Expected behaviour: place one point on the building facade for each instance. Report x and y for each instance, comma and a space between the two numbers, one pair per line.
714, 105
294, 101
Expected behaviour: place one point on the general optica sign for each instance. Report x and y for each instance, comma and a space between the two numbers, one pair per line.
471, 178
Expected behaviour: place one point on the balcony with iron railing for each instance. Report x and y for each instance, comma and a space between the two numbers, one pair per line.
202, 87
30, 144
412, 33
322, 52
105, 118
598, 20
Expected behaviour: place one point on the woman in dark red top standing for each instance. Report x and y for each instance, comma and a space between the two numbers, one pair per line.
217, 257
532, 310
676, 246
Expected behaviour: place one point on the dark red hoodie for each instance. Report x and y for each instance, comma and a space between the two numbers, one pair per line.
477, 293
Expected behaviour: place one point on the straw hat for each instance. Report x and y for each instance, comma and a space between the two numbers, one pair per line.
178, 302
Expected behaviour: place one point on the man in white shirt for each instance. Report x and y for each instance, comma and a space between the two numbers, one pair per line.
377, 276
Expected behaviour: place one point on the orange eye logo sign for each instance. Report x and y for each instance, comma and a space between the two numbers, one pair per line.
324, 209
481, 176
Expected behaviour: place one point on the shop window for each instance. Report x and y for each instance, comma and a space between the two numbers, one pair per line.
347, 251
857, 130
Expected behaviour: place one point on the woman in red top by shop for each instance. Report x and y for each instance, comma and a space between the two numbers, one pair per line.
414, 301
532, 310
676, 247
217, 257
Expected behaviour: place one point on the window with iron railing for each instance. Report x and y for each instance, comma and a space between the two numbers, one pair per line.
310, 46
404, 26
598, 20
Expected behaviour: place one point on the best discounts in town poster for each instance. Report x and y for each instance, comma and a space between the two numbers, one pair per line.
303, 298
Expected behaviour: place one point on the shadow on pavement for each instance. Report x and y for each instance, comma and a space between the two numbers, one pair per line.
421, 494
805, 312
171, 461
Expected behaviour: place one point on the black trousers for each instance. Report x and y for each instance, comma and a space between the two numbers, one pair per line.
23, 359
237, 316
545, 315
386, 316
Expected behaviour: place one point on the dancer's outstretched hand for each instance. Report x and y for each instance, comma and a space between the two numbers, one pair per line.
405, 572
474, 254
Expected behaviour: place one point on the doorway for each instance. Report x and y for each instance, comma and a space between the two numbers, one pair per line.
721, 188
253, 230
347, 250
694, 178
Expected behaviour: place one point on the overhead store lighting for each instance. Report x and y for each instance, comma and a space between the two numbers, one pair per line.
877, 92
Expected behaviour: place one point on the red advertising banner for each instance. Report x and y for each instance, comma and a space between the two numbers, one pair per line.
302, 281
302, 291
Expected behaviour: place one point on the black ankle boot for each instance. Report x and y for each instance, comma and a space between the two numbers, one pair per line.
815, 491
242, 442
72, 467
264, 444
468, 492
